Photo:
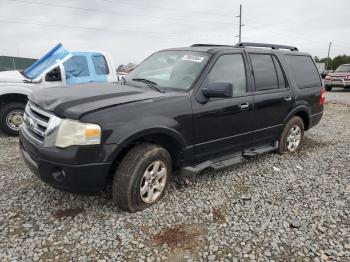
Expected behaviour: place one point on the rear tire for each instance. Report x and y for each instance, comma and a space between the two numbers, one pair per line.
292, 136
11, 117
328, 88
142, 177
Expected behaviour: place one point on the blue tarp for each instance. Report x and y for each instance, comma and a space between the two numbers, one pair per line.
36, 69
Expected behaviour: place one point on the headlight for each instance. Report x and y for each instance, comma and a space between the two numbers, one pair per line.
71, 133
328, 78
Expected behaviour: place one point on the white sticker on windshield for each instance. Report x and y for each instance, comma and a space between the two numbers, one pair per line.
193, 58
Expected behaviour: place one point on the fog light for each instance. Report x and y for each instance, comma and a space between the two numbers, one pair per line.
58, 174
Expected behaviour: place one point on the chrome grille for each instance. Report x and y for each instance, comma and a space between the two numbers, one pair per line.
36, 122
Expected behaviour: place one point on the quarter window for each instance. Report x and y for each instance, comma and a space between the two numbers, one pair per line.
100, 65
304, 71
264, 72
230, 68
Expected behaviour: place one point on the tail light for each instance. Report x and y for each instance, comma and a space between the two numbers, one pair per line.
322, 96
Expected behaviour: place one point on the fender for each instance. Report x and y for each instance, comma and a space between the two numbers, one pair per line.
14, 89
299, 108
134, 130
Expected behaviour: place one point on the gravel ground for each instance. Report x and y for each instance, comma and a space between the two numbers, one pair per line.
270, 208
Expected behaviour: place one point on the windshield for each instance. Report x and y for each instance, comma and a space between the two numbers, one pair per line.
343, 68
36, 69
174, 70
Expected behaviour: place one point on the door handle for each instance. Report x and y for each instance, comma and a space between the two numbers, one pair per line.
244, 106
287, 99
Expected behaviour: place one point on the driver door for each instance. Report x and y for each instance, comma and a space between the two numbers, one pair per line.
223, 125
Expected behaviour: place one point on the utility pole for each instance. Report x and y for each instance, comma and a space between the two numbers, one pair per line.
329, 50
240, 24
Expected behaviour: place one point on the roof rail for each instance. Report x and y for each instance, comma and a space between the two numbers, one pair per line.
272, 46
211, 45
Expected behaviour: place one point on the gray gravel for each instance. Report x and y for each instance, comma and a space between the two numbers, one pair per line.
273, 207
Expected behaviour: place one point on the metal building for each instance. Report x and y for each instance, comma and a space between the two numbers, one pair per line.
15, 63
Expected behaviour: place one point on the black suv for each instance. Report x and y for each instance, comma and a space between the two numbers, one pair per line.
186, 109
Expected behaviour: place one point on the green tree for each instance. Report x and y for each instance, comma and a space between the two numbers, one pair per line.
335, 62
339, 60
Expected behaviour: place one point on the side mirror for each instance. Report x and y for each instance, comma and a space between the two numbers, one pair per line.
218, 89
53, 75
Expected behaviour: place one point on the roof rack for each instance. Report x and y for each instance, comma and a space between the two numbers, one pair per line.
211, 45
272, 46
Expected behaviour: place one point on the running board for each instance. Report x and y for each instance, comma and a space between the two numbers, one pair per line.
260, 150
228, 160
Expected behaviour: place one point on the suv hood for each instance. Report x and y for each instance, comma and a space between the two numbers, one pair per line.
75, 101
11, 77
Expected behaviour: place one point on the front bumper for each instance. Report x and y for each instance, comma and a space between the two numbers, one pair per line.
337, 83
74, 169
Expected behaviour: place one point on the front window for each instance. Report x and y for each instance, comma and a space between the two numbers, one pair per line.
343, 68
172, 70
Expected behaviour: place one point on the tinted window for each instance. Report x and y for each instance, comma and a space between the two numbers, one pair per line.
76, 66
100, 65
229, 68
264, 72
280, 75
304, 71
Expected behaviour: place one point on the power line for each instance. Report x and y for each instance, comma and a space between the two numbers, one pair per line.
117, 12
150, 34
272, 29
166, 8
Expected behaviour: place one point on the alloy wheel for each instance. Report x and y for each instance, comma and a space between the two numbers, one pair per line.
153, 182
294, 138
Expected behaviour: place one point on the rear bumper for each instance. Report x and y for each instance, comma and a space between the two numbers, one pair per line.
59, 173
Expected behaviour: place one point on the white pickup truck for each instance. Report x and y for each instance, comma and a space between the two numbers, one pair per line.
58, 67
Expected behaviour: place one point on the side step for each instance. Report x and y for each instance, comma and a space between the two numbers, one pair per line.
260, 150
228, 160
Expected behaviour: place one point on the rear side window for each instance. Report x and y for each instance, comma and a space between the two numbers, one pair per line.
76, 66
100, 65
264, 72
304, 71
280, 75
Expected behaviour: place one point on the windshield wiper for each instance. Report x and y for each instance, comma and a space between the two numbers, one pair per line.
149, 83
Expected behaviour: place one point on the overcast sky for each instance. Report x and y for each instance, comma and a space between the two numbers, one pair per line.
130, 30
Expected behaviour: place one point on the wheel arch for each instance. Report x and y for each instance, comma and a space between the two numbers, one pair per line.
13, 97
167, 138
303, 113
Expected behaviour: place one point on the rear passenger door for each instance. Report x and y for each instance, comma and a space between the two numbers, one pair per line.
273, 97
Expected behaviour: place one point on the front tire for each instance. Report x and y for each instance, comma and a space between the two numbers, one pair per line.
292, 135
11, 117
142, 177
